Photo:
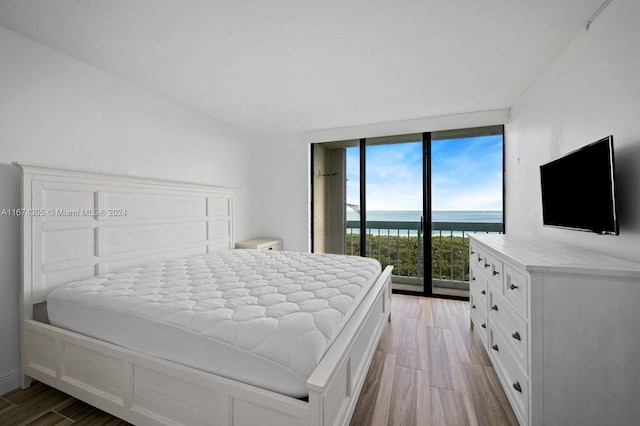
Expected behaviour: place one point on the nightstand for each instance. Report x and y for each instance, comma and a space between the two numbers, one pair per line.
260, 244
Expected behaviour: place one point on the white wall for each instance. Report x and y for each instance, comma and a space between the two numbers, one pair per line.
57, 111
284, 184
590, 91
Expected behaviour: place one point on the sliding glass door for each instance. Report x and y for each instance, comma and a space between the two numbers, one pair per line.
395, 207
410, 201
369, 200
466, 183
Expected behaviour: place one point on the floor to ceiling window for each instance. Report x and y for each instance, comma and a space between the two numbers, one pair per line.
397, 198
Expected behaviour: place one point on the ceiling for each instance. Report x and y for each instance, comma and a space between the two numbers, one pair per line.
281, 67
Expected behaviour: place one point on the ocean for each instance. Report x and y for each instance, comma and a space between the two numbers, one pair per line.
475, 216
469, 216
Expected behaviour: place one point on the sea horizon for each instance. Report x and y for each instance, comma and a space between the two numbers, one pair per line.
475, 216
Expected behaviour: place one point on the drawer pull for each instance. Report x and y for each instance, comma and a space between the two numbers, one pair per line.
479, 259
494, 308
513, 286
483, 292
270, 248
495, 348
517, 387
483, 325
473, 278
516, 336
473, 252
473, 306
496, 273
486, 265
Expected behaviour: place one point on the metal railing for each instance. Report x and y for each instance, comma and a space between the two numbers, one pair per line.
401, 244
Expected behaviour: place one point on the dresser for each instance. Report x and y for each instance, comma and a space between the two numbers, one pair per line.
561, 326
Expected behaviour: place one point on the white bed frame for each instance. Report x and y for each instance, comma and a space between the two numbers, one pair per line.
79, 224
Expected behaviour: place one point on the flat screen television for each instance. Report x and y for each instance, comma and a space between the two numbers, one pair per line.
578, 190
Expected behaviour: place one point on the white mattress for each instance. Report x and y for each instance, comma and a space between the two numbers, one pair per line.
260, 317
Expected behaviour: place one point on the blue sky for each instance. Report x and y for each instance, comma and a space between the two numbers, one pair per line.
466, 175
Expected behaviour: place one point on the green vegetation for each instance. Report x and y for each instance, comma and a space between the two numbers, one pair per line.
450, 254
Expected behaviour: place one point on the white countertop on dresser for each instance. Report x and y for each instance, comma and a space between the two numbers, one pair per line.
549, 256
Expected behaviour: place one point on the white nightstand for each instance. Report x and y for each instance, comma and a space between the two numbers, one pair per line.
260, 244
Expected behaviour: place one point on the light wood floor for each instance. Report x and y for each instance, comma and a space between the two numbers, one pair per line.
41, 405
429, 369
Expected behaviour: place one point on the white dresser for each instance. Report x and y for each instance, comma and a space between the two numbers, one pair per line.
562, 328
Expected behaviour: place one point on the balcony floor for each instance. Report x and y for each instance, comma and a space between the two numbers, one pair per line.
455, 292
437, 290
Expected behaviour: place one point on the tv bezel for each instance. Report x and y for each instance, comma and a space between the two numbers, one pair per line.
612, 201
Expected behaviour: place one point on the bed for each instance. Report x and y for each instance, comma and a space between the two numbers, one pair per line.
83, 230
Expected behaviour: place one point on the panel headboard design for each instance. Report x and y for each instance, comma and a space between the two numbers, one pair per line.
79, 224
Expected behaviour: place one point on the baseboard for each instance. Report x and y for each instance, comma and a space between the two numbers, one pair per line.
10, 381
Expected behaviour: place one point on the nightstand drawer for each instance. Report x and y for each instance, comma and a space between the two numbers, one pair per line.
260, 244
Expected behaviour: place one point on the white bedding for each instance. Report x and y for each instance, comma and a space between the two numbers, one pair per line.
261, 317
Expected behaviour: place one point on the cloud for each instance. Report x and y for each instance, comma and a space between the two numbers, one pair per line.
466, 174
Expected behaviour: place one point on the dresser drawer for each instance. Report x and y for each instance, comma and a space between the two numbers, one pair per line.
473, 254
478, 300
514, 381
478, 286
480, 320
477, 259
492, 268
516, 290
502, 316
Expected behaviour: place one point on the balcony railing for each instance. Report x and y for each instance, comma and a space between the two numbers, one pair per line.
401, 244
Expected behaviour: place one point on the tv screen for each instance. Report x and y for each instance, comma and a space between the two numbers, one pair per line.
578, 190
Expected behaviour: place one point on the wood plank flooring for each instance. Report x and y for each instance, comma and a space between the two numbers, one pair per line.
429, 369
43, 406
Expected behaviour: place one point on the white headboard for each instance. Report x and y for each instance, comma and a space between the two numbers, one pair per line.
78, 224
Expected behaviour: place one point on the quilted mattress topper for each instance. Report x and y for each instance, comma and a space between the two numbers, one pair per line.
287, 307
